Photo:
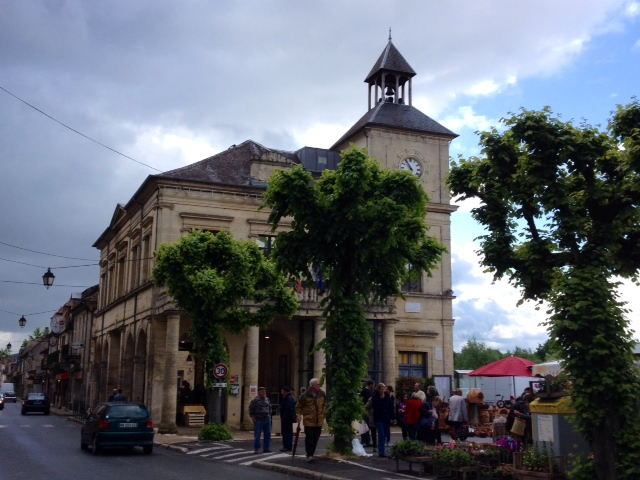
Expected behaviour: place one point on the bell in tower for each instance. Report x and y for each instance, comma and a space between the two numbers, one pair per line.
390, 77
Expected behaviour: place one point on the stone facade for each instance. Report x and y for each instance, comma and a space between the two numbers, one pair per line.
140, 341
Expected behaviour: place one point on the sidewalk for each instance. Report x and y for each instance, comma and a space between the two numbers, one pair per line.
326, 466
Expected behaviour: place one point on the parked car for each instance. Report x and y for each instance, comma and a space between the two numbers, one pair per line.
113, 424
36, 402
1, 401
9, 397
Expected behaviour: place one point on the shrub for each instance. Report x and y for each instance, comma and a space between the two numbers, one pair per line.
537, 460
215, 431
503, 471
453, 456
407, 448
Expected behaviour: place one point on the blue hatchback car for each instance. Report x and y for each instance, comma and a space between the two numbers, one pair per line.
117, 425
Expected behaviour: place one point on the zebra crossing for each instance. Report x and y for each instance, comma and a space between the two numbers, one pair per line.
231, 453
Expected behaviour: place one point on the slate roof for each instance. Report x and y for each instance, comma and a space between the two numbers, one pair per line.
399, 117
390, 60
231, 167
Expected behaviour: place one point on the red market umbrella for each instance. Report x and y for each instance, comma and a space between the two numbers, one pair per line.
507, 367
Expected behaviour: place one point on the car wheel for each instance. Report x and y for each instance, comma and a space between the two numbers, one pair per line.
83, 444
23, 411
95, 447
46, 412
147, 449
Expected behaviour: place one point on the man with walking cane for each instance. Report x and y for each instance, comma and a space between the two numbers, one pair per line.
311, 408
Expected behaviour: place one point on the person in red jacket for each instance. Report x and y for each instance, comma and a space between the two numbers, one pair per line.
413, 415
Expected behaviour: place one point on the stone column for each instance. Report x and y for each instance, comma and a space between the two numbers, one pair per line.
250, 372
319, 357
389, 354
170, 393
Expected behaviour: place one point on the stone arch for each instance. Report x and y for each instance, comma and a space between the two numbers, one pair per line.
114, 375
138, 393
127, 366
276, 361
105, 385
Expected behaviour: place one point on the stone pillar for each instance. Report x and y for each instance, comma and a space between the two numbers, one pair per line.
250, 373
389, 354
319, 357
170, 393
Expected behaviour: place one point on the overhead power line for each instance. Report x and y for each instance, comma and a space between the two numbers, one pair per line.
49, 254
76, 131
40, 283
28, 314
40, 266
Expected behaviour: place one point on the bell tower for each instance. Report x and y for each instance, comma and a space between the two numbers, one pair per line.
396, 133
399, 136
390, 78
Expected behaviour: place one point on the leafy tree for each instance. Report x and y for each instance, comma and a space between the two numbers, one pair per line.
527, 353
475, 354
560, 204
37, 334
4, 352
358, 228
547, 351
215, 278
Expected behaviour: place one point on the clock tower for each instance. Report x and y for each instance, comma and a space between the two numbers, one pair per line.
399, 136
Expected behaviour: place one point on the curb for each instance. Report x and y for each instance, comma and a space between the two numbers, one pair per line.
173, 448
295, 471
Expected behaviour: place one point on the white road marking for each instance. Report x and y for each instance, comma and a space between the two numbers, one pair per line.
201, 450
378, 470
262, 459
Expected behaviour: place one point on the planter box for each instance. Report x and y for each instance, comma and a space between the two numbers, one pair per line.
527, 475
519, 473
422, 462
463, 470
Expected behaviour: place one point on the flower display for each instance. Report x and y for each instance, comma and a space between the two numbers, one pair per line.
407, 448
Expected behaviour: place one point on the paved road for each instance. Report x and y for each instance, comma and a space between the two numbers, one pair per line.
239, 454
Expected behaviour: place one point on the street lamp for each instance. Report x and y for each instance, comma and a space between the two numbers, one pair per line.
22, 322
48, 278
9, 346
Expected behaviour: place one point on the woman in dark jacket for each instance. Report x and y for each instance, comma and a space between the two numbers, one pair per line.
426, 427
521, 410
383, 413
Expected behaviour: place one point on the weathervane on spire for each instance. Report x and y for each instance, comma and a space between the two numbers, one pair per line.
389, 33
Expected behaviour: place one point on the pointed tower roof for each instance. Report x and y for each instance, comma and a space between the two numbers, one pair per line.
390, 60
390, 102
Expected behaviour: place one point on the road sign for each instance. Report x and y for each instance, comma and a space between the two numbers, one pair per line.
220, 385
220, 371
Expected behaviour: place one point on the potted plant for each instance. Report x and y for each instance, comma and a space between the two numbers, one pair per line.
453, 456
407, 448
504, 471
534, 463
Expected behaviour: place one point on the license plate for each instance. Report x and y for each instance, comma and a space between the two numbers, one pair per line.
128, 425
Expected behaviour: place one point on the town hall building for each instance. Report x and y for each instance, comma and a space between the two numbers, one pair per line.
141, 342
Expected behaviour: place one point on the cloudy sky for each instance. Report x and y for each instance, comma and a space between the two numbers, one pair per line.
163, 84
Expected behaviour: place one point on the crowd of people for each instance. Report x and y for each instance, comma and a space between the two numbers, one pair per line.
416, 413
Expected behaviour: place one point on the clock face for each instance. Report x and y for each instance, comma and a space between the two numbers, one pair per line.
412, 165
